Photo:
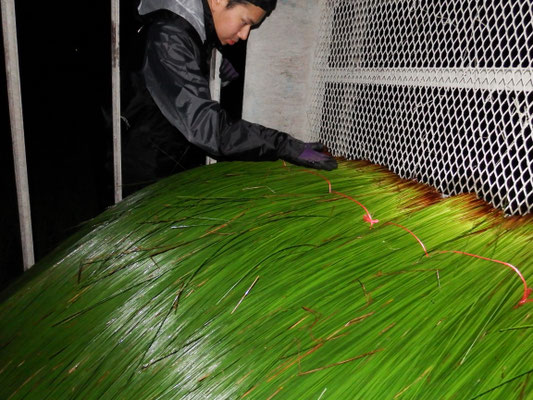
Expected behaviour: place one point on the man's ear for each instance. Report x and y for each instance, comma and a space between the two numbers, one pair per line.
221, 3
216, 4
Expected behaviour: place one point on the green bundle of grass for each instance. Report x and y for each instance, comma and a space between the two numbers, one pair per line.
264, 281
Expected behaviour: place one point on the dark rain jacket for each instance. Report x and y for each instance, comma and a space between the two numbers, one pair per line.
176, 73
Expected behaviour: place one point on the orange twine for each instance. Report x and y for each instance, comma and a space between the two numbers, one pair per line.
368, 218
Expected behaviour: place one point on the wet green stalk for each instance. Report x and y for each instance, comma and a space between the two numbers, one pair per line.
251, 280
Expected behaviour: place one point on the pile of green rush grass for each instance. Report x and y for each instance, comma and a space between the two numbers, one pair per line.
252, 280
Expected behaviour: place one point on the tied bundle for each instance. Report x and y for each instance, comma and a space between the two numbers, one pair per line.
264, 281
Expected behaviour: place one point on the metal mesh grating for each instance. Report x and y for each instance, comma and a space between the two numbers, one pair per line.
440, 92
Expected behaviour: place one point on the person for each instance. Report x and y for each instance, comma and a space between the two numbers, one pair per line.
179, 41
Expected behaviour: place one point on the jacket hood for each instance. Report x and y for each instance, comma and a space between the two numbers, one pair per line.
191, 10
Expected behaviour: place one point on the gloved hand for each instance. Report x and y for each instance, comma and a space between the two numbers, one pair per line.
310, 155
227, 72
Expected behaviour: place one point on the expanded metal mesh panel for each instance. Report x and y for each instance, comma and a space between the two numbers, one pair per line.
440, 92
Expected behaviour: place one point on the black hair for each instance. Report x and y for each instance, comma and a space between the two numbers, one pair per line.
233, 3
267, 5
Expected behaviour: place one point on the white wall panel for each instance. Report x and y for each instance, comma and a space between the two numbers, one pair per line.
278, 67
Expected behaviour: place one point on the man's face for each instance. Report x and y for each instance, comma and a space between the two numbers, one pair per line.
234, 24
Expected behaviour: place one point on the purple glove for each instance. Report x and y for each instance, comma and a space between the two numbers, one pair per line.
312, 157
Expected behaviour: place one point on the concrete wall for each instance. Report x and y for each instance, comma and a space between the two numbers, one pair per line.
278, 67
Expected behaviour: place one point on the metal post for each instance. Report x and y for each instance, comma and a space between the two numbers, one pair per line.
214, 76
115, 65
9, 27
214, 85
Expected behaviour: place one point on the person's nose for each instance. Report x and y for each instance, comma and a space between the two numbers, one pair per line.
244, 32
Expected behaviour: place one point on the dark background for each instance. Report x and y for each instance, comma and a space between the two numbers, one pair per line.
64, 52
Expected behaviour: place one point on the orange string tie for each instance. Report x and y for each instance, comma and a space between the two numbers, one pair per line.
527, 291
367, 218
411, 233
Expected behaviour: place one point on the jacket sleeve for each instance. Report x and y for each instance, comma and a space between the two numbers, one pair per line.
180, 89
